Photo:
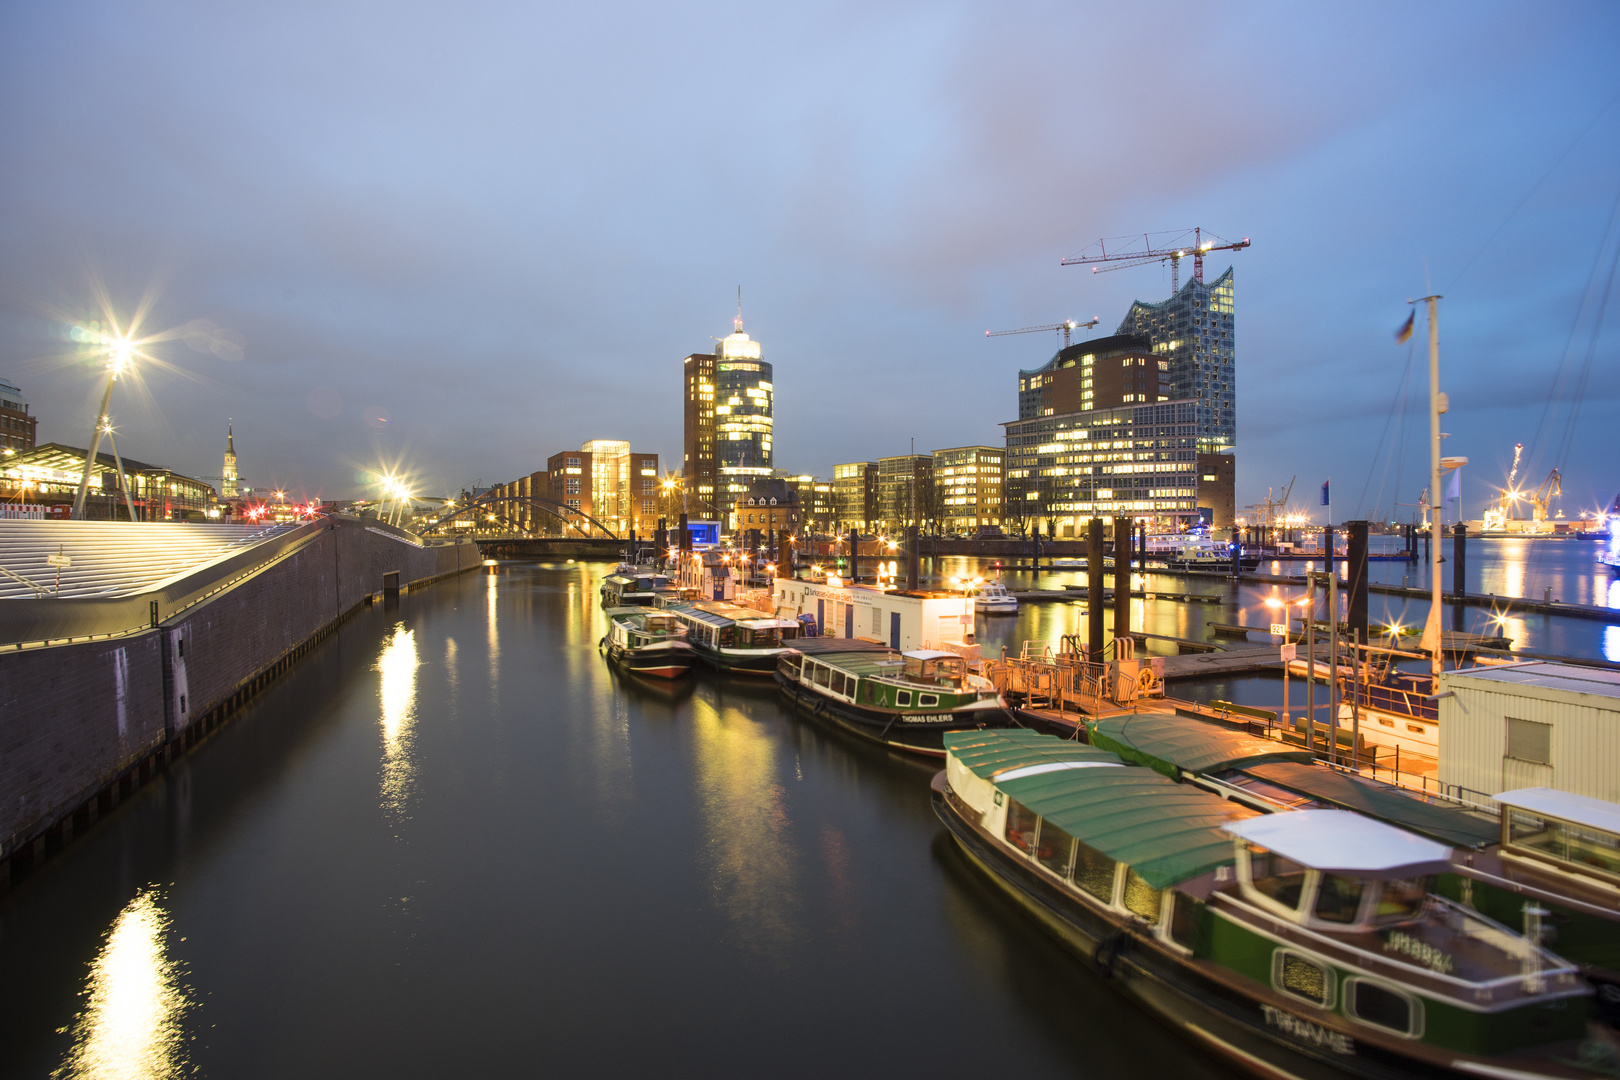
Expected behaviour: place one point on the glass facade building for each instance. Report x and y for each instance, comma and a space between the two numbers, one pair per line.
742, 415
1193, 331
1137, 461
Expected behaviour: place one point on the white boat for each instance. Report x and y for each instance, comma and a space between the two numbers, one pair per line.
992, 598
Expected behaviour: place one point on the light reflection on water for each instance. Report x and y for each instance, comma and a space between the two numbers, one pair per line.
1611, 643
130, 1028
396, 670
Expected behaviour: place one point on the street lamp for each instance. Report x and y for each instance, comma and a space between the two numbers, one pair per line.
1308, 602
119, 357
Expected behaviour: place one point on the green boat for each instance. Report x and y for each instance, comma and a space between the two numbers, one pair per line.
1298, 944
905, 700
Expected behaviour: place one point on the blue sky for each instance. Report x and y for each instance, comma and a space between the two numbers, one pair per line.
501, 226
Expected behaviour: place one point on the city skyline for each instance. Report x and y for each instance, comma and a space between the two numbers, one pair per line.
389, 308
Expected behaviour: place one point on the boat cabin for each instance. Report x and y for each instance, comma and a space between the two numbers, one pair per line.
641, 587
725, 626
1574, 833
934, 668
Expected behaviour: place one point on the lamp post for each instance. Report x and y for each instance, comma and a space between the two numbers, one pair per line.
1308, 603
118, 358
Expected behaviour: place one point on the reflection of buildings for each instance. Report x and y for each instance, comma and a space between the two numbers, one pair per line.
967, 482
16, 425
608, 481
50, 475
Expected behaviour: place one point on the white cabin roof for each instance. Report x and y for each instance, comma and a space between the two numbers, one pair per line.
932, 654
1571, 678
1580, 809
1340, 841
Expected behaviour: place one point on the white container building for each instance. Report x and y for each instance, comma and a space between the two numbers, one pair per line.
900, 620
1531, 725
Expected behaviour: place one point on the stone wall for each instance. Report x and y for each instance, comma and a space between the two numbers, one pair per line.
77, 720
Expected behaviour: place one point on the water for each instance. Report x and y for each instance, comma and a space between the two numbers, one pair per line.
451, 841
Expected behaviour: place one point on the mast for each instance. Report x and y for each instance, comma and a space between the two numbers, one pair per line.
1437, 405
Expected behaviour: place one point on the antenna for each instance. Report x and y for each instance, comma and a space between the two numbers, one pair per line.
738, 323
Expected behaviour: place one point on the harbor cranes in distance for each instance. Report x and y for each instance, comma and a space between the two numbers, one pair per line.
1541, 496
1170, 246
1066, 326
1273, 510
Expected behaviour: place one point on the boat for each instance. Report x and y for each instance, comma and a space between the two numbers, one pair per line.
992, 598
732, 638
648, 642
640, 586
1301, 944
1196, 551
907, 700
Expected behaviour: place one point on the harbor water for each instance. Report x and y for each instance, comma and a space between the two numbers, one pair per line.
452, 841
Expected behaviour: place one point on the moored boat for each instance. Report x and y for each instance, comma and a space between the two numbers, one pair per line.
732, 638
648, 642
641, 586
1298, 944
992, 598
905, 700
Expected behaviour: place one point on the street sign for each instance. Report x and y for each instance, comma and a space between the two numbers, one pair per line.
61, 562
1288, 653
1279, 629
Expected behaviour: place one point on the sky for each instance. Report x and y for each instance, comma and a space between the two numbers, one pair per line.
452, 240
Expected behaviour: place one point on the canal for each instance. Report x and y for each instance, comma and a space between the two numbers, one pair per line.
452, 842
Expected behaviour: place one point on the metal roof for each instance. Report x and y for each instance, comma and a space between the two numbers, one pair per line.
1166, 832
1386, 802
1338, 841
1175, 744
115, 558
1580, 809
1568, 678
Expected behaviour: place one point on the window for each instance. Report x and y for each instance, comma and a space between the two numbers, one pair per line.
1056, 849
1184, 919
1339, 898
1400, 900
1022, 826
1301, 977
1376, 1004
1094, 872
1280, 879
1142, 898
927, 699
903, 698
1529, 741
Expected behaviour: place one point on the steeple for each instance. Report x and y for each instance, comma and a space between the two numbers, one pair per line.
228, 485
230, 439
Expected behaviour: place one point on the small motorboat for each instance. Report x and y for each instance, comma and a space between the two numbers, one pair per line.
992, 598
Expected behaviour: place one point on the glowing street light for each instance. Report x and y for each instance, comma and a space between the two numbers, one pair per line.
120, 355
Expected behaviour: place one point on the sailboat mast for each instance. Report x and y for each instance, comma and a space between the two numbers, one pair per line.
1432, 633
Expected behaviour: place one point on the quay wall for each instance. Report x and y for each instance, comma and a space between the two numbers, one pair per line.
82, 723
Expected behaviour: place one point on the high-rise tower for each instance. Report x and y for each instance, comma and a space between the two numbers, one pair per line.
227, 487
1193, 330
729, 397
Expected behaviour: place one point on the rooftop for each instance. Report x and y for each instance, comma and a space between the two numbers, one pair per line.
115, 558
1545, 675
1579, 809
1339, 841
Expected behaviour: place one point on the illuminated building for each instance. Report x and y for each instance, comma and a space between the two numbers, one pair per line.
698, 460
227, 485
905, 491
1193, 331
49, 475
16, 425
817, 507
855, 496
968, 487
769, 506
605, 479
728, 440
1099, 374
1133, 460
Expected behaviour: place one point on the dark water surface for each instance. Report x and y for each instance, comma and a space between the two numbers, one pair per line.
452, 842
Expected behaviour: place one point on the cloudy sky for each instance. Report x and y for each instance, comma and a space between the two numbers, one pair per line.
462, 237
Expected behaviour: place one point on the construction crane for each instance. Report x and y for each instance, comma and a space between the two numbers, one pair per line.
1541, 496
1066, 327
1126, 251
1273, 510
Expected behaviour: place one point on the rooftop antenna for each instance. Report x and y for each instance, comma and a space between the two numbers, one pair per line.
738, 323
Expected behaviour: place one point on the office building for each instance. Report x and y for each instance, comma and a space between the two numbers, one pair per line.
1193, 332
16, 425
968, 488
1217, 489
905, 491
698, 457
1100, 374
817, 504
855, 496
609, 482
1134, 460
729, 410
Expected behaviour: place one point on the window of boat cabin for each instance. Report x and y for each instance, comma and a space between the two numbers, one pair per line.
1592, 849
727, 636
1056, 850
820, 674
1184, 913
1338, 899
850, 683
745, 637
1022, 825
1141, 898
902, 697
1280, 880
1400, 899
1302, 977
1094, 872
1372, 1003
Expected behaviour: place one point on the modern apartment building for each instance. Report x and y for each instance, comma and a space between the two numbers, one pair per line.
855, 496
1193, 331
817, 505
905, 491
17, 426
609, 482
1100, 374
698, 471
968, 488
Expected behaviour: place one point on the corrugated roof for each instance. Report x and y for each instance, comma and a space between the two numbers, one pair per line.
1450, 824
1175, 744
1166, 832
1566, 677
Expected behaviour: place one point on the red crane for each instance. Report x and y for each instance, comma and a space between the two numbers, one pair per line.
1065, 326
1124, 251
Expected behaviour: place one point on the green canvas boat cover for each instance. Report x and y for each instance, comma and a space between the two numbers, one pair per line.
1166, 832
989, 754
1385, 802
1173, 745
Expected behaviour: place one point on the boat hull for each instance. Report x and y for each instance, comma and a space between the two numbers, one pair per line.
666, 660
887, 728
761, 662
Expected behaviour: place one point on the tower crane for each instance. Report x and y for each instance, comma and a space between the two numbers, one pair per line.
1065, 326
1126, 251
1541, 496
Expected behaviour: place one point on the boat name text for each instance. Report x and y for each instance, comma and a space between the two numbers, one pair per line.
1315, 1034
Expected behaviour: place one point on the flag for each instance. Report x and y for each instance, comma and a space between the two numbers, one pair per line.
1454, 489
1404, 334
1325, 484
